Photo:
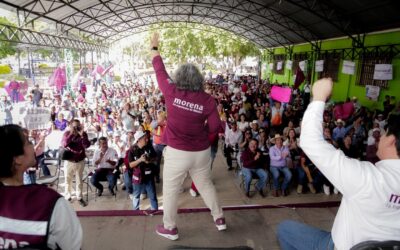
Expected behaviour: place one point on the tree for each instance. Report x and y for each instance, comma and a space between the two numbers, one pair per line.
201, 44
6, 48
183, 42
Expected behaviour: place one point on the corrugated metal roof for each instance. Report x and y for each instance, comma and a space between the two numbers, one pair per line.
268, 23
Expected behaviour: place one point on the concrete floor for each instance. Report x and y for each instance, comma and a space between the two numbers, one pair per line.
255, 228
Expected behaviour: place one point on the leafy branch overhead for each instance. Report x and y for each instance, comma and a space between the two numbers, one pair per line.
182, 41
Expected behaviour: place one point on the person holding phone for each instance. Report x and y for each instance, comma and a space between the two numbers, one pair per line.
75, 140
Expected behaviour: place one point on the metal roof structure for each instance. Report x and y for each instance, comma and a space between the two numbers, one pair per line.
268, 23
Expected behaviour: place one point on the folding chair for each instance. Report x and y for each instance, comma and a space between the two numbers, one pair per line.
48, 180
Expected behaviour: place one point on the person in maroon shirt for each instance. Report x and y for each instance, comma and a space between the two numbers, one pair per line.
192, 116
75, 140
31, 216
253, 165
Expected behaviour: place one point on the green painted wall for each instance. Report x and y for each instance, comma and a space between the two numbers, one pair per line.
345, 86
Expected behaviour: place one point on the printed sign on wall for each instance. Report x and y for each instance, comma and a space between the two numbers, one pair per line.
319, 66
348, 67
279, 65
372, 92
383, 72
289, 64
302, 65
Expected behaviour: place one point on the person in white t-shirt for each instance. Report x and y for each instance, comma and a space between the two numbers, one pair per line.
105, 160
370, 207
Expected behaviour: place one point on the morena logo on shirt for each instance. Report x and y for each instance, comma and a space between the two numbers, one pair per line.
11, 243
394, 201
190, 106
394, 198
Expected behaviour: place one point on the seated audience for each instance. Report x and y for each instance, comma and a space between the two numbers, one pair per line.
279, 155
253, 165
105, 160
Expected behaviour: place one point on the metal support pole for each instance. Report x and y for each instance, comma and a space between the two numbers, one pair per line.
92, 59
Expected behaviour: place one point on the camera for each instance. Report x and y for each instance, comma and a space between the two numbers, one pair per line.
146, 156
77, 128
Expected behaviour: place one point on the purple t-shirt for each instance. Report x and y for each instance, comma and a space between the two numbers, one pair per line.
188, 112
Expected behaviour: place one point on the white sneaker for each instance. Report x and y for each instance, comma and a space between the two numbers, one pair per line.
299, 189
192, 193
131, 196
327, 191
311, 187
143, 196
335, 191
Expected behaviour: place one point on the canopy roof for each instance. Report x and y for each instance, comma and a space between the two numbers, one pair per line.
268, 23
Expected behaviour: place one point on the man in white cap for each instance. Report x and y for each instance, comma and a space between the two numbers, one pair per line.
141, 160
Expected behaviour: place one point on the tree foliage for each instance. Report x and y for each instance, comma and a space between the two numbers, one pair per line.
6, 48
182, 42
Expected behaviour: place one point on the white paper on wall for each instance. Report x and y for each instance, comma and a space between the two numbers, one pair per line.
302, 65
383, 72
349, 67
372, 92
271, 66
319, 66
279, 65
289, 64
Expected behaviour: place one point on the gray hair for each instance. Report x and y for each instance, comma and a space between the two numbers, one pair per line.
188, 77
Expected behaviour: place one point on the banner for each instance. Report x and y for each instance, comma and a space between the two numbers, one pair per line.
299, 78
36, 118
279, 65
349, 67
281, 94
22, 91
319, 66
289, 64
302, 65
69, 67
383, 72
372, 92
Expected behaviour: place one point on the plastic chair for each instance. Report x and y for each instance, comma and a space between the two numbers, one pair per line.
48, 180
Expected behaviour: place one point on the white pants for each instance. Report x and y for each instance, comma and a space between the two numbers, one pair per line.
71, 168
176, 165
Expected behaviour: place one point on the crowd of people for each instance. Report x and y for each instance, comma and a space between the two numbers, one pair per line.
252, 124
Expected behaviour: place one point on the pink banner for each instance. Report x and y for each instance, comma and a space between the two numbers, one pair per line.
281, 94
58, 78
22, 90
105, 71
98, 69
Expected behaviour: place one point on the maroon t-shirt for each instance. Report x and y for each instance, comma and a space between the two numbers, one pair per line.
192, 115
27, 203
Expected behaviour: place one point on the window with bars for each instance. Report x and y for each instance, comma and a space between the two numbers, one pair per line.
331, 65
298, 58
365, 73
280, 58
